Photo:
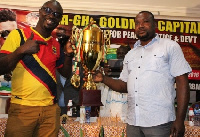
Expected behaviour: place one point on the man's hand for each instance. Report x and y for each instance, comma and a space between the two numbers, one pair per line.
105, 68
98, 76
177, 129
32, 46
69, 47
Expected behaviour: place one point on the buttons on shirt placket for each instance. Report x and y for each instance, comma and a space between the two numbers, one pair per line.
137, 77
136, 92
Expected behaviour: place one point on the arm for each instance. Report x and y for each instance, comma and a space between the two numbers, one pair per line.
66, 70
9, 61
183, 95
115, 84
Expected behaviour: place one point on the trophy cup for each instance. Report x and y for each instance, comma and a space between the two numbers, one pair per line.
90, 50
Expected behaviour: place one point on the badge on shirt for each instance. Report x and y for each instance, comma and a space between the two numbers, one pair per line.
54, 50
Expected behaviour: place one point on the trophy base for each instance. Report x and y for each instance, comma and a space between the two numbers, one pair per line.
90, 98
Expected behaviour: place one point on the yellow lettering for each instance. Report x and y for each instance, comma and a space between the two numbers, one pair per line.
85, 20
103, 22
132, 23
124, 23
176, 25
182, 27
168, 26
198, 27
193, 28
76, 20
117, 23
64, 20
187, 27
111, 22
161, 25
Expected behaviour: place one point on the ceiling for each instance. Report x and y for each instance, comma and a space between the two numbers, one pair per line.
169, 8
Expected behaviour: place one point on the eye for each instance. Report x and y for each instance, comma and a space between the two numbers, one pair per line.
57, 14
146, 21
48, 10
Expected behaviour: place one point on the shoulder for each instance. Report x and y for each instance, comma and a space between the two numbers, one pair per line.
13, 36
167, 41
54, 40
12, 42
55, 43
129, 56
14, 33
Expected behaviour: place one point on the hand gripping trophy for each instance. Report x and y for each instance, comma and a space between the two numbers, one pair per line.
91, 47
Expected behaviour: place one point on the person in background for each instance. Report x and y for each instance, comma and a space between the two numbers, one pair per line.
122, 51
66, 91
7, 24
62, 39
149, 72
114, 103
34, 55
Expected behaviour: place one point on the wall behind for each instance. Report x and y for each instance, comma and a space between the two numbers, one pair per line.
183, 9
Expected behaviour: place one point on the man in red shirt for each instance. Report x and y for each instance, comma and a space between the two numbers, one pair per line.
33, 56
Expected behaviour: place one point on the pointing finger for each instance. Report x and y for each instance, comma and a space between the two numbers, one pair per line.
41, 42
31, 37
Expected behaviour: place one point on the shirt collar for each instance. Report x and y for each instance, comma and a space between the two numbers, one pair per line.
138, 43
46, 39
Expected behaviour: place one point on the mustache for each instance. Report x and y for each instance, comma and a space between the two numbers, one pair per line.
142, 29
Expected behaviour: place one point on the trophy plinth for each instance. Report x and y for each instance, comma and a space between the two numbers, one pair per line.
90, 97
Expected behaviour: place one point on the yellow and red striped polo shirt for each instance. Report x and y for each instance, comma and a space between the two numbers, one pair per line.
33, 79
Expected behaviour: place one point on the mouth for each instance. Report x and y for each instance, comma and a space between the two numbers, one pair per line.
141, 31
50, 22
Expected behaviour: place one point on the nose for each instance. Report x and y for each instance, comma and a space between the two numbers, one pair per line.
51, 15
141, 24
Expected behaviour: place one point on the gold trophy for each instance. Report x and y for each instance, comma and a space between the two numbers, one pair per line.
90, 50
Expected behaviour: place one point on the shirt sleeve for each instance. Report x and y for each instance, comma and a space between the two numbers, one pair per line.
177, 60
11, 43
124, 73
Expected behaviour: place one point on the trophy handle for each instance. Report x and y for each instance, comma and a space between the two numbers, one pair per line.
107, 37
75, 33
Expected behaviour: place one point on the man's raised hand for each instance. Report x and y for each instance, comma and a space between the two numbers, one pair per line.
32, 46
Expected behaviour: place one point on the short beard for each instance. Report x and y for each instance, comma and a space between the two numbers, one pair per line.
144, 37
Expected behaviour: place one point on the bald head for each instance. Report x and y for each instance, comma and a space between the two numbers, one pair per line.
149, 13
55, 3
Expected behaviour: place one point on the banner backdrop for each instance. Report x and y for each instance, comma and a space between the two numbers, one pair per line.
186, 33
